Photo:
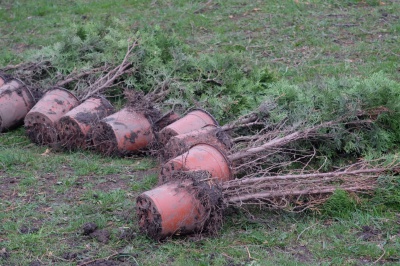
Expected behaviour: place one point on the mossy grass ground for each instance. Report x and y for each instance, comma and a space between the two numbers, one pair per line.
46, 197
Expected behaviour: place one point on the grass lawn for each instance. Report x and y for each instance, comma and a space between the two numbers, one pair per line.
46, 197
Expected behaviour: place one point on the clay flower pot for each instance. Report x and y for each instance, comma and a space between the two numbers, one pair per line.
15, 102
194, 120
180, 144
168, 210
199, 157
40, 122
74, 126
122, 133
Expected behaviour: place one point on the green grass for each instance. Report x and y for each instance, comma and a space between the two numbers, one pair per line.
45, 199
301, 41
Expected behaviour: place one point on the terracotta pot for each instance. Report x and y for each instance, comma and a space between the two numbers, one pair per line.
199, 157
40, 122
194, 120
180, 144
15, 102
74, 126
122, 133
168, 210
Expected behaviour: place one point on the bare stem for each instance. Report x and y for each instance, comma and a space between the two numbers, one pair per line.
248, 181
76, 76
267, 195
107, 80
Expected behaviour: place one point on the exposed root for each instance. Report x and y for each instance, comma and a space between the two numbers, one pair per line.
30, 72
42, 134
71, 135
73, 128
4, 78
140, 103
104, 139
274, 150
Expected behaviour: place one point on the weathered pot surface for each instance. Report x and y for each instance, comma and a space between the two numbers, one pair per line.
193, 120
41, 120
123, 132
199, 157
211, 135
169, 210
15, 102
75, 125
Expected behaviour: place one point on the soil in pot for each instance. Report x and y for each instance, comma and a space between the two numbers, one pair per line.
74, 126
40, 122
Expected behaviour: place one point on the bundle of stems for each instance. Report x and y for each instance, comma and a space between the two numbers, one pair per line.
270, 151
298, 192
42, 75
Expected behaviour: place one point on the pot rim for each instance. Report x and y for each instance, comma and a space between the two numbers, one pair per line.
102, 97
228, 162
24, 86
204, 111
63, 89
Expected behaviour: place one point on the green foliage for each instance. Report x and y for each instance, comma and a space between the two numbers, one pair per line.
226, 84
388, 192
229, 85
304, 41
11, 158
85, 46
374, 100
339, 205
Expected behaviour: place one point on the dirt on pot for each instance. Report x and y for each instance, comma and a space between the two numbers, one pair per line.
40, 122
74, 126
122, 133
199, 157
193, 120
4, 78
165, 120
15, 102
140, 103
187, 205
211, 135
